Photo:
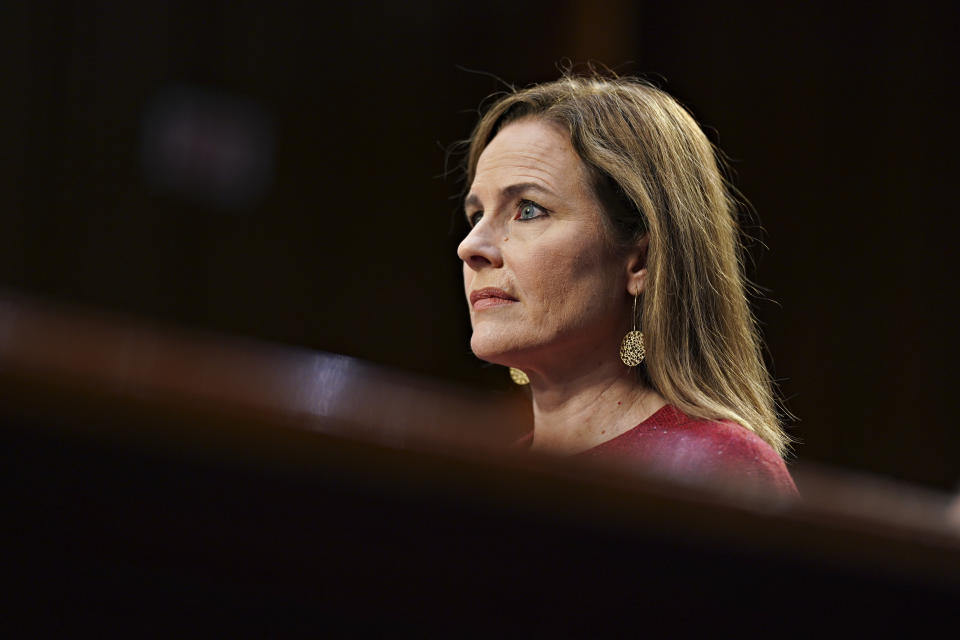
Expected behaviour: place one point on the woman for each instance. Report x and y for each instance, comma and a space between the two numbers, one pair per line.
603, 266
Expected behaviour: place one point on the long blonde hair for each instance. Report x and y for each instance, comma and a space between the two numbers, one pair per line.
658, 174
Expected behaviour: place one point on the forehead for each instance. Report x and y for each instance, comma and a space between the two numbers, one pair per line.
531, 150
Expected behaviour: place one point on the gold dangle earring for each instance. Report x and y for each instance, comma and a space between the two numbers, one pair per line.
632, 351
519, 377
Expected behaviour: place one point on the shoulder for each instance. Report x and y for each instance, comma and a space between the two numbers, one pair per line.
701, 450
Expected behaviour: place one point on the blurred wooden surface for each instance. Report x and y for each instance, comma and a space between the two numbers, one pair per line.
103, 360
163, 479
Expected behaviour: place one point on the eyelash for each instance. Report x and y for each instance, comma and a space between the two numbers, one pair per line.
529, 203
474, 217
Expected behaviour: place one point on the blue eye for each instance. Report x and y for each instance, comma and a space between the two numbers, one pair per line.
530, 210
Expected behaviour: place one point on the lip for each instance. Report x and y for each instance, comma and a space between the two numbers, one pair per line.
489, 297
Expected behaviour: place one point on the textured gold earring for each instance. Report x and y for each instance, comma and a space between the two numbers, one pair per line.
632, 351
518, 376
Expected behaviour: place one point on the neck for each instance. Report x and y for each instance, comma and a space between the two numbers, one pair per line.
583, 409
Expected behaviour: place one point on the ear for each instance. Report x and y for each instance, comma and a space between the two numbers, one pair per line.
636, 264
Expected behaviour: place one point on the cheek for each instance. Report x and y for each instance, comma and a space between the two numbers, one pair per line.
561, 268
546, 273
572, 282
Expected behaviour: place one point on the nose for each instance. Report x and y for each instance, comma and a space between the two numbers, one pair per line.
479, 249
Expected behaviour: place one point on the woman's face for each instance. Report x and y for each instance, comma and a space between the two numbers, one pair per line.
544, 286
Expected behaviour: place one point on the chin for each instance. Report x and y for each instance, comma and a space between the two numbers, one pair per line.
485, 352
491, 349
497, 348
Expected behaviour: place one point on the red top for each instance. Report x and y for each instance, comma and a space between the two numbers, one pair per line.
686, 449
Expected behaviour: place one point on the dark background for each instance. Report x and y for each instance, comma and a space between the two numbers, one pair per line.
839, 123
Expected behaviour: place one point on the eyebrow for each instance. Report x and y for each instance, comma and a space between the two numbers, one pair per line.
509, 193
